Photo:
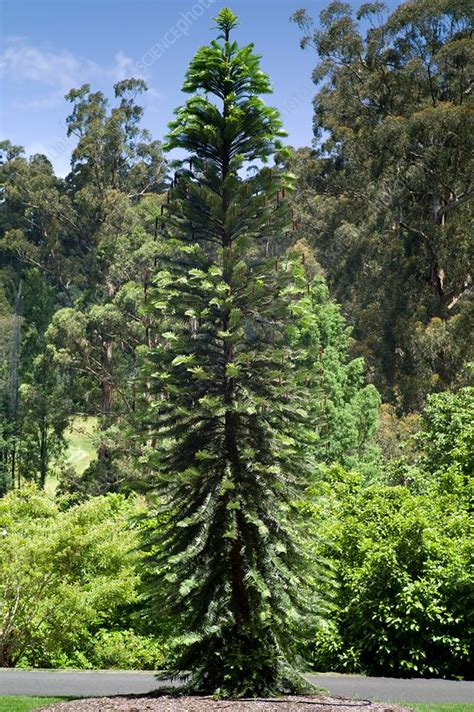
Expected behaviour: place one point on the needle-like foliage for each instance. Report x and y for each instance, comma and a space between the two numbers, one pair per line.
230, 395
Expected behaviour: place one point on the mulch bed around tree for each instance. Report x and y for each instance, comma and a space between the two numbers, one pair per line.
206, 704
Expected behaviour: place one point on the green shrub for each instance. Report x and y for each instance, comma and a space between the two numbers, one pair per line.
64, 574
404, 601
127, 650
446, 437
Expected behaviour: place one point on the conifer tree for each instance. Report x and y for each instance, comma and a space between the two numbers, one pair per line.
229, 392
346, 409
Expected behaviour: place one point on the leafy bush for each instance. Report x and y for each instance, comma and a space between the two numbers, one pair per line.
446, 440
64, 575
127, 650
405, 588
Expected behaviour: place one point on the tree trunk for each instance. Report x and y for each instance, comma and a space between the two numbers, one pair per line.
43, 452
107, 392
13, 382
107, 382
240, 597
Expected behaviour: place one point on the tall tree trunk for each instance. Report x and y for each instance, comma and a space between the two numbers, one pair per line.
240, 598
107, 392
14, 382
43, 452
107, 382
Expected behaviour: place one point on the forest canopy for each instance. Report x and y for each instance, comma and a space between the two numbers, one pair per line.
236, 402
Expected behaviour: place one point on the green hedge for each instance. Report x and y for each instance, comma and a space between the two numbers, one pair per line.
404, 585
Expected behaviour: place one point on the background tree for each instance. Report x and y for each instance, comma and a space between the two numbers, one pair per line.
387, 197
93, 245
8, 324
44, 401
96, 345
231, 393
345, 409
446, 439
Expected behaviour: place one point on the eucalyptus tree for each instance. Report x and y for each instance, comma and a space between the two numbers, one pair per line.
91, 240
391, 202
229, 392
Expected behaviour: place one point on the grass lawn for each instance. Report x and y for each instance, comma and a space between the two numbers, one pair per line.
443, 707
80, 448
24, 704
80, 443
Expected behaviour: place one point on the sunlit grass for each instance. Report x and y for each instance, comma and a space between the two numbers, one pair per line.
439, 707
80, 449
24, 704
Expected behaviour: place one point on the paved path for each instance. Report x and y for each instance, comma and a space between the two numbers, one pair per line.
94, 684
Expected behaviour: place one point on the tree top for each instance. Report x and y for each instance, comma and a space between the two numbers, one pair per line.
226, 21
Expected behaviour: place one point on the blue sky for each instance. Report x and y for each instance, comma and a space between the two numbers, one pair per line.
50, 46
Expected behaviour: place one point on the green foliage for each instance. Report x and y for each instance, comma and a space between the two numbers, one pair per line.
96, 346
113, 152
44, 404
446, 436
64, 575
395, 433
229, 395
33, 404
404, 600
345, 409
74, 258
126, 650
253, 384
386, 198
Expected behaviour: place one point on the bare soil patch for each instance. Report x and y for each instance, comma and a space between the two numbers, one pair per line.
206, 704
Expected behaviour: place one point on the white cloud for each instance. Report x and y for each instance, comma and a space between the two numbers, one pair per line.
154, 93
45, 102
21, 61
37, 78
59, 71
124, 66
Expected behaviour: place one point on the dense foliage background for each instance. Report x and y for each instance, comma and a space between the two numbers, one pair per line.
380, 226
